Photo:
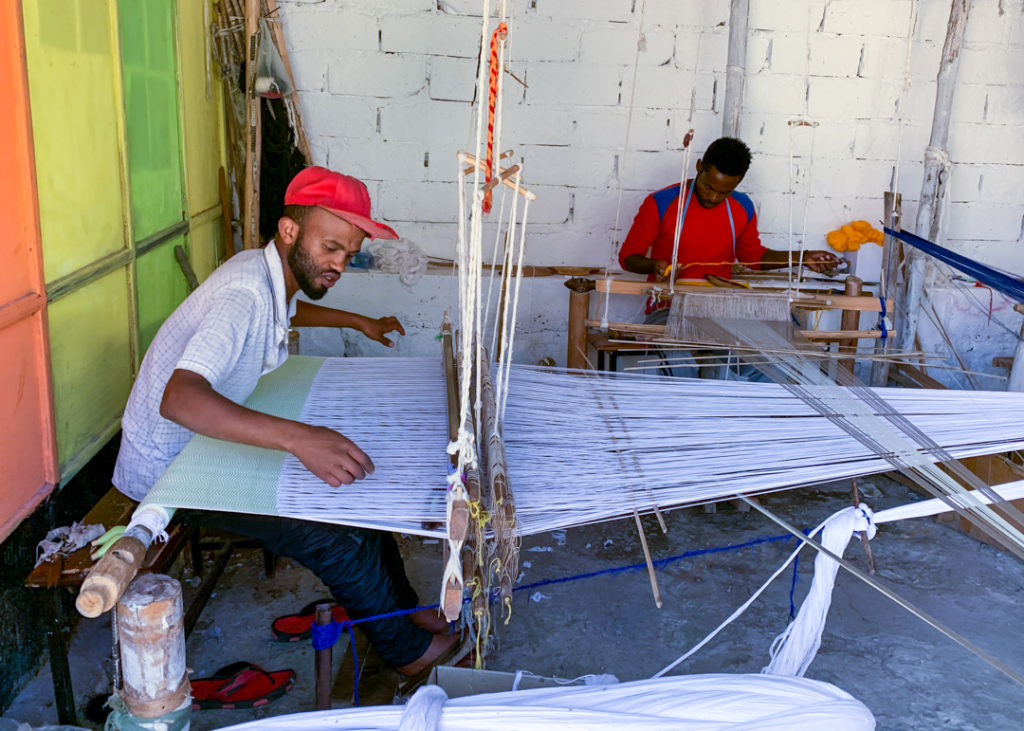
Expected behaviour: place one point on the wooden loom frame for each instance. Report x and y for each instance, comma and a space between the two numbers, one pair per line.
582, 329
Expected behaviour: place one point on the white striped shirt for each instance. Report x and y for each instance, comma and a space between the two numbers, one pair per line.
231, 330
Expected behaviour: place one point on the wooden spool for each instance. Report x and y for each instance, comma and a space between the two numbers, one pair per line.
111, 575
151, 635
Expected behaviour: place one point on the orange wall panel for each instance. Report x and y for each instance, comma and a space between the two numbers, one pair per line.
25, 460
28, 462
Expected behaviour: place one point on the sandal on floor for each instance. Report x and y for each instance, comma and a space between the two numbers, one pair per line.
240, 685
299, 626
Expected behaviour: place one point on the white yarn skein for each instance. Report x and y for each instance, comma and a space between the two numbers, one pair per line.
403, 258
793, 651
424, 709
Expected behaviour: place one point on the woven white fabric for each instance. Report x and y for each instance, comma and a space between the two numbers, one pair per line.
231, 330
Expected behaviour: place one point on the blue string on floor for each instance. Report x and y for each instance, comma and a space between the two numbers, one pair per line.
326, 635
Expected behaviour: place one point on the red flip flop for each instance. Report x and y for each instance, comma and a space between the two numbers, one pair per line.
296, 627
240, 685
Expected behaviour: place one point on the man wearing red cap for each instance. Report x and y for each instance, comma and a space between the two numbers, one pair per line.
205, 361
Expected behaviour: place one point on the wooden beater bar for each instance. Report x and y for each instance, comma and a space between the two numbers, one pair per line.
458, 519
503, 507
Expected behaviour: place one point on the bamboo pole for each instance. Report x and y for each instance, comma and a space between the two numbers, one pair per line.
937, 167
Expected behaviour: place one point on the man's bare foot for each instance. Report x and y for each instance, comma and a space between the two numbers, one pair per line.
430, 620
439, 646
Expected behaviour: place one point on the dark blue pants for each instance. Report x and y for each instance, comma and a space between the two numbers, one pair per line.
362, 568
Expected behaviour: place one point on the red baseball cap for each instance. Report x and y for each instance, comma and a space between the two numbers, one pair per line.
342, 195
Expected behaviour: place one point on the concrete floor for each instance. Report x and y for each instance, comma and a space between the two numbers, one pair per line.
906, 672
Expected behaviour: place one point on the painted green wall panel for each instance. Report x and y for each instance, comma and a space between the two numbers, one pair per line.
75, 107
150, 70
162, 287
204, 242
201, 109
90, 352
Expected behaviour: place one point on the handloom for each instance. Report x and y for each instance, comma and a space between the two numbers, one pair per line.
563, 457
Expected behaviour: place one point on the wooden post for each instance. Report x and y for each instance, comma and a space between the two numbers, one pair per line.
937, 167
151, 635
1016, 382
324, 661
735, 67
579, 311
253, 131
888, 285
850, 321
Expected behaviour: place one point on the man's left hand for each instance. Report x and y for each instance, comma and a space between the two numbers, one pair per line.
377, 329
821, 261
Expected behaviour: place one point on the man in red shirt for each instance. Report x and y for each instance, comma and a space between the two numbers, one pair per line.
718, 229
718, 225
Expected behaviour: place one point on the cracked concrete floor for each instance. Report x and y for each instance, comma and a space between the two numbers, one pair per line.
906, 672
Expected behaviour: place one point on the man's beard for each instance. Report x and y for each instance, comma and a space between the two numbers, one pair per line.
305, 270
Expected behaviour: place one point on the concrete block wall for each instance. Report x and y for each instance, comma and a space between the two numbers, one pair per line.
387, 88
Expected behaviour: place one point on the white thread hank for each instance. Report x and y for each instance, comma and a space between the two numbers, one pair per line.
794, 649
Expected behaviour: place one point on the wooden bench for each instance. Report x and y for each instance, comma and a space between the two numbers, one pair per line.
115, 508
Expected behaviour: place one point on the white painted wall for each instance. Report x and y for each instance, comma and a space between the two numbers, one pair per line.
386, 89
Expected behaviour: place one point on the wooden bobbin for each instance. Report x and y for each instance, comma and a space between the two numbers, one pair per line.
151, 635
111, 575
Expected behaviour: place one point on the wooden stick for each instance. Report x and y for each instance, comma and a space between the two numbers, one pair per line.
863, 536
502, 156
505, 175
503, 507
324, 661
227, 231
659, 331
466, 158
253, 131
804, 300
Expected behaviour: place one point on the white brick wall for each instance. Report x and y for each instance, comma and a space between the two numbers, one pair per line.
387, 86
